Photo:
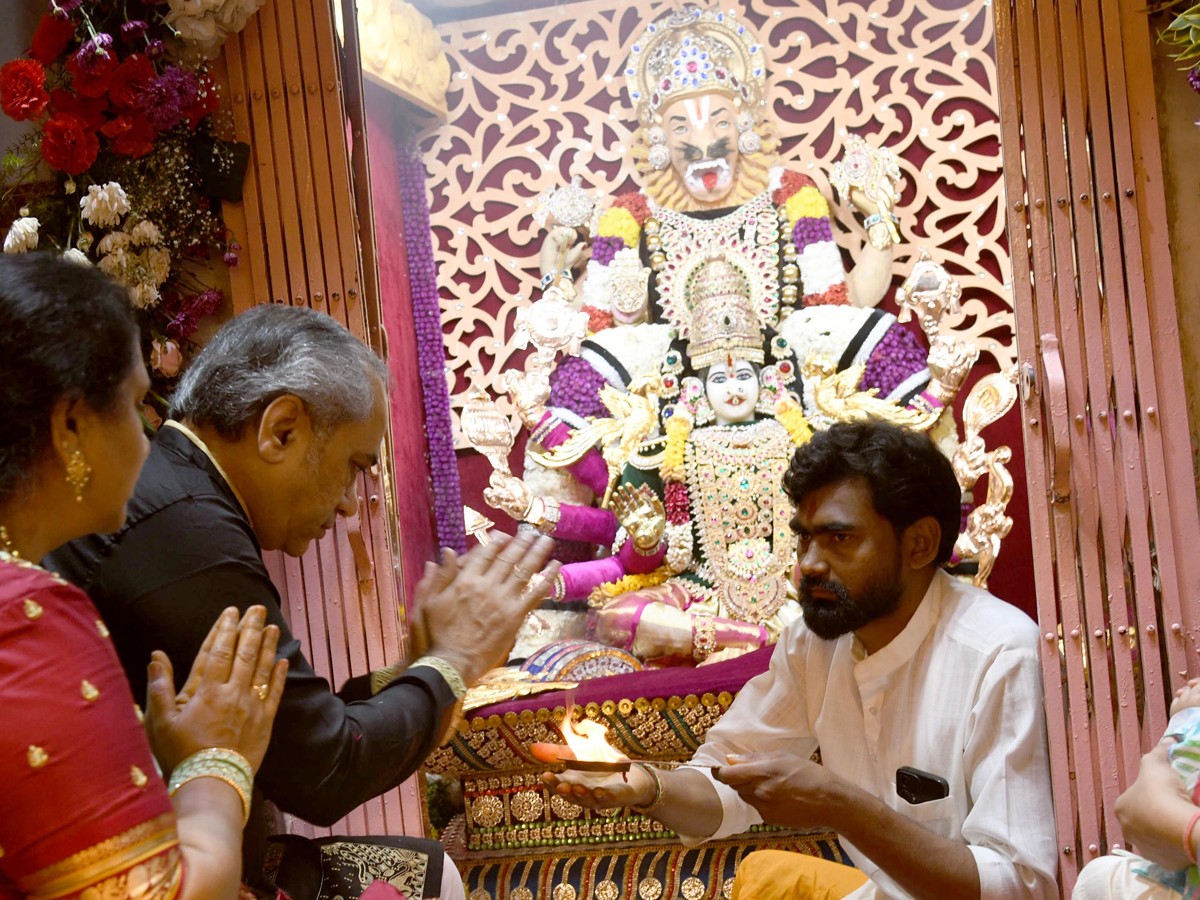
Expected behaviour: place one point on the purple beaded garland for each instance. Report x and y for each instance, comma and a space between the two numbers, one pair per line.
896, 357
431, 356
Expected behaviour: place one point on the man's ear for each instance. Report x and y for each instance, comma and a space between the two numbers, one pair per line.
283, 428
921, 542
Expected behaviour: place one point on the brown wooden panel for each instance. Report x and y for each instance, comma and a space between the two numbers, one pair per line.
1110, 476
298, 226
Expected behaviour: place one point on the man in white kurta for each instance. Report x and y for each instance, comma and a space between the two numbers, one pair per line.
957, 693
894, 665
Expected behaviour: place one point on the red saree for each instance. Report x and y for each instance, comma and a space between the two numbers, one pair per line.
82, 807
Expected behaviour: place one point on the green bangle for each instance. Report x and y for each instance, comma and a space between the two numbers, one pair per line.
220, 763
658, 791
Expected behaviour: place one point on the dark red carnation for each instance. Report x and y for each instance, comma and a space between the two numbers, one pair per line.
68, 144
788, 185
131, 135
598, 319
23, 89
91, 73
635, 204
51, 38
90, 109
131, 78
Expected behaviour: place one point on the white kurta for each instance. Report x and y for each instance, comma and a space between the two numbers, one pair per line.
958, 693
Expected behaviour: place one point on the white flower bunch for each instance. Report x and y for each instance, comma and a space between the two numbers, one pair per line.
22, 236
206, 24
104, 204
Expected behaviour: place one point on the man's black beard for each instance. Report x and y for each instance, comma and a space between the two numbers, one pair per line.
830, 619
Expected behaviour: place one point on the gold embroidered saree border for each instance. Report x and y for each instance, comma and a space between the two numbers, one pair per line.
153, 845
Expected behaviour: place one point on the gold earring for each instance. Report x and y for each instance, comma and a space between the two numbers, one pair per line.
78, 473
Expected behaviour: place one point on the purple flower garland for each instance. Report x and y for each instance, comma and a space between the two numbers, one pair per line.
896, 357
431, 356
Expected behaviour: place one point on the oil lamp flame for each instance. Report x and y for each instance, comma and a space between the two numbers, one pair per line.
588, 740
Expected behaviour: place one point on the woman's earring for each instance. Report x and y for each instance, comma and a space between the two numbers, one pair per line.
78, 473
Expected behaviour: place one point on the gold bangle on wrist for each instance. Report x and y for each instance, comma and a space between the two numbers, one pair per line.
221, 763
455, 681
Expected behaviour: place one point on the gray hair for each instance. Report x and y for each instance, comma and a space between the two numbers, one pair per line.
273, 350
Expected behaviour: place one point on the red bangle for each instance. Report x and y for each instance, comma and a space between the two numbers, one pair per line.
1187, 837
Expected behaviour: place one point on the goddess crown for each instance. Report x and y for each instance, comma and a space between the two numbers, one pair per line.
724, 323
690, 52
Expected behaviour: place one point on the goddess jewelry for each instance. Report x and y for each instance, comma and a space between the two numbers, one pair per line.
608, 889
78, 473
659, 155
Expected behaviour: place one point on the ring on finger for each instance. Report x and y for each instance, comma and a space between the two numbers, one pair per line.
521, 573
260, 691
536, 583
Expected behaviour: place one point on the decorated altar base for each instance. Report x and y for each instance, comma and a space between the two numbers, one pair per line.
516, 839
661, 870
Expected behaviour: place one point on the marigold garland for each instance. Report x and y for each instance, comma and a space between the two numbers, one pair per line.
678, 429
806, 203
789, 414
604, 592
619, 222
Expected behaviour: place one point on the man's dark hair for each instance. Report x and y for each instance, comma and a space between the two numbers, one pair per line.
269, 351
66, 331
907, 475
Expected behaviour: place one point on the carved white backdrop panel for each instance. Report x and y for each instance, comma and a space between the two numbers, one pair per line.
538, 97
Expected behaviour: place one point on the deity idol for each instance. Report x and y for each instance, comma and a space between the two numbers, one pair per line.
705, 151
702, 549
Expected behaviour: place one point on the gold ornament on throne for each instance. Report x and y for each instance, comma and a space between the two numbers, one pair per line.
987, 525
837, 397
489, 431
928, 293
634, 418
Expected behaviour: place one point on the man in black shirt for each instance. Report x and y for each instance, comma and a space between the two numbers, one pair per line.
270, 428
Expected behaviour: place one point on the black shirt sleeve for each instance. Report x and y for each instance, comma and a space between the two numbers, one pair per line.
163, 581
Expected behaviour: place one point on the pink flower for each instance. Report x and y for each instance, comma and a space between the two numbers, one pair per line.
150, 414
166, 358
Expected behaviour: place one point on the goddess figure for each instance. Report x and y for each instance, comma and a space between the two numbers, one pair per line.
699, 526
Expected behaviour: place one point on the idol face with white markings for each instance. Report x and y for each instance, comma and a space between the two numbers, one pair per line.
702, 137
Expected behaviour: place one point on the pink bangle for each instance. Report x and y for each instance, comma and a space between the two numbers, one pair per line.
1187, 837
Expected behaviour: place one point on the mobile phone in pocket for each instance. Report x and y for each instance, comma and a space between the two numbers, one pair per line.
917, 786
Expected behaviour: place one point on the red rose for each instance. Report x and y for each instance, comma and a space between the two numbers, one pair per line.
68, 144
95, 81
90, 109
23, 89
51, 38
131, 78
131, 135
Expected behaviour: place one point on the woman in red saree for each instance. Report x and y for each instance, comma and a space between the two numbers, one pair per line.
83, 809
